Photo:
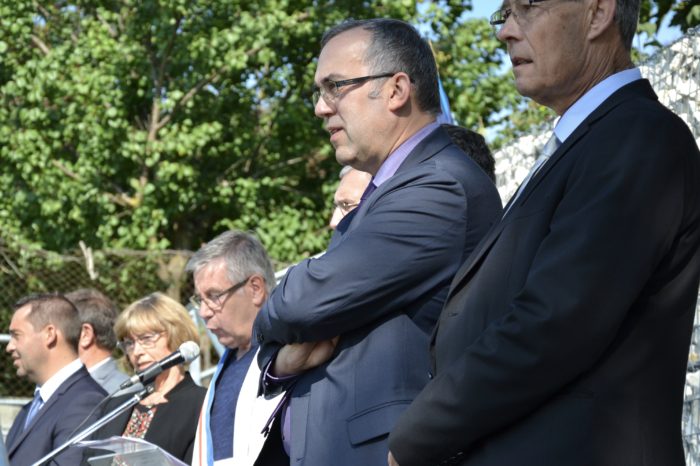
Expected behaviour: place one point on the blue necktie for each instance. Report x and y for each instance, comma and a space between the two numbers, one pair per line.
34, 408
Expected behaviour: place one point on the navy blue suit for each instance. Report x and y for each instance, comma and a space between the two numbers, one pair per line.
380, 286
564, 338
55, 422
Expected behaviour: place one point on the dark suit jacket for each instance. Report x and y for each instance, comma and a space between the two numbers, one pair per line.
174, 424
55, 422
380, 286
564, 339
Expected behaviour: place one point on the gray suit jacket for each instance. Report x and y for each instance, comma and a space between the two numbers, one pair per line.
380, 286
55, 422
109, 376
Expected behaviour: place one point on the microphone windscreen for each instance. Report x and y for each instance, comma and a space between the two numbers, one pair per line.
189, 351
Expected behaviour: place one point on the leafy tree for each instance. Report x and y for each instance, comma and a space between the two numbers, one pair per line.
157, 124
148, 125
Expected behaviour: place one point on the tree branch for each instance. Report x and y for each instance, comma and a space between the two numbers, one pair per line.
40, 44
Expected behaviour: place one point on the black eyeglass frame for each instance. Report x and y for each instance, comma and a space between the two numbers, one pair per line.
321, 92
499, 17
218, 299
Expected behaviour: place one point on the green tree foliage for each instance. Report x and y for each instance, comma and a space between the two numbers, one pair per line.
158, 124
148, 125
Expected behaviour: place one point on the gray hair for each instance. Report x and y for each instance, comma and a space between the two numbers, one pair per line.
97, 310
626, 19
243, 254
344, 171
397, 46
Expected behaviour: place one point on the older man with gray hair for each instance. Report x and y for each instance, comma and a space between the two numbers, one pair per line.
233, 277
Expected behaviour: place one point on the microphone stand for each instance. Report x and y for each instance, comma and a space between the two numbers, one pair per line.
106, 419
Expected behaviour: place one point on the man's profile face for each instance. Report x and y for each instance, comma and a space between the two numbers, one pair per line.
358, 115
232, 322
549, 52
348, 194
26, 346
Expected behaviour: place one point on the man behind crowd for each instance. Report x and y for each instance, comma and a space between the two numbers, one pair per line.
233, 277
371, 301
44, 334
564, 338
354, 182
348, 193
97, 339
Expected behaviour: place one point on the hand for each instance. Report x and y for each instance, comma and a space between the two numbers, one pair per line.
295, 358
391, 460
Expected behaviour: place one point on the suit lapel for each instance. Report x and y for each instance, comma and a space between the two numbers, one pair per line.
632, 90
426, 149
48, 406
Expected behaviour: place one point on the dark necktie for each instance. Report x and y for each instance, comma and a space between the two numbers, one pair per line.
368, 191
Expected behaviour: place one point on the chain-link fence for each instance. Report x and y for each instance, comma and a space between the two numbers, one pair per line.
124, 276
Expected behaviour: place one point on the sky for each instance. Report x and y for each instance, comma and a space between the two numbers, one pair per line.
484, 8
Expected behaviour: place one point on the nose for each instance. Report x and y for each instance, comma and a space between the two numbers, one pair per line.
204, 311
10, 347
336, 218
322, 109
509, 30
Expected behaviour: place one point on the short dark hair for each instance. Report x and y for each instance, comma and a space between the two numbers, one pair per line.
55, 309
474, 145
99, 311
397, 46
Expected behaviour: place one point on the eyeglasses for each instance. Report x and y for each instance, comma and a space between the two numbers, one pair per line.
522, 11
329, 89
346, 207
147, 340
215, 301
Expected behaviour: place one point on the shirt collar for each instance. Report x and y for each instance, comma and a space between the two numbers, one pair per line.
396, 158
94, 367
591, 100
50, 386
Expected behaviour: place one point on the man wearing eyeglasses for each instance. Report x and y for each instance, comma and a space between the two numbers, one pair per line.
346, 333
233, 277
564, 338
347, 196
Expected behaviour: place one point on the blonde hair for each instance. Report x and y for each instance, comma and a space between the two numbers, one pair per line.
157, 313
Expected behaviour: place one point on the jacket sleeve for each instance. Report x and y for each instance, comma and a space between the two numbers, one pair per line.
403, 249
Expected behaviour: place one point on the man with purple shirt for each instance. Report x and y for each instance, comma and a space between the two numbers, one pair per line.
346, 334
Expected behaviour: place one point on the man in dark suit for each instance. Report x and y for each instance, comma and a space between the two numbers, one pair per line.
371, 301
97, 340
44, 334
564, 338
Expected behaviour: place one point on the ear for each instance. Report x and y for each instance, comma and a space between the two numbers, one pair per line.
400, 91
87, 336
50, 336
602, 18
257, 289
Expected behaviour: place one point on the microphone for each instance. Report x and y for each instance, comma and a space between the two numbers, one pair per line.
186, 353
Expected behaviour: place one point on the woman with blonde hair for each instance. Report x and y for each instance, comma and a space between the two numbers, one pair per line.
149, 330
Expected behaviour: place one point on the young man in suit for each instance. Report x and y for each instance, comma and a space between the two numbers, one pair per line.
370, 302
97, 340
233, 277
564, 338
44, 334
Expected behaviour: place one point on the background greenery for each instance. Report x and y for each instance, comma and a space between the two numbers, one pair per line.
153, 125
